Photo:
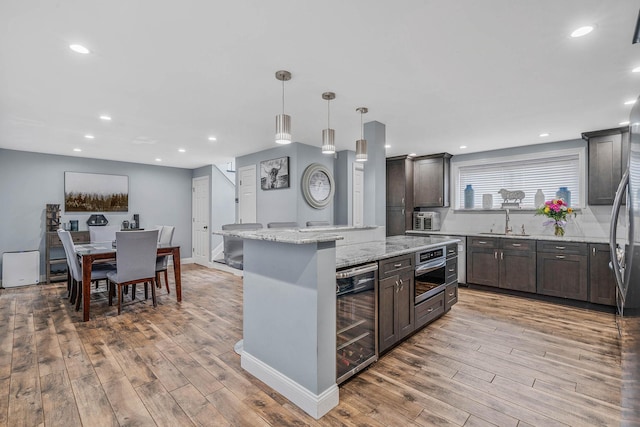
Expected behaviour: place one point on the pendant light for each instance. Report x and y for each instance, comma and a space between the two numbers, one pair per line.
361, 144
283, 121
328, 134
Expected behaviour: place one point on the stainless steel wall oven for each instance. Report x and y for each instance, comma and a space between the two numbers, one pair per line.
356, 320
430, 273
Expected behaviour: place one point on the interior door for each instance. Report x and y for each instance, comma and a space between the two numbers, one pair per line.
247, 204
358, 194
200, 222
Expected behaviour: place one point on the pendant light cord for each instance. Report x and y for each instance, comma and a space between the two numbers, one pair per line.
361, 126
283, 97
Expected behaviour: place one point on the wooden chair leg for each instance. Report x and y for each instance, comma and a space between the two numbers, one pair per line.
166, 281
72, 294
119, 299
153, 294
133, 291
146, 291
78, 295
110, 291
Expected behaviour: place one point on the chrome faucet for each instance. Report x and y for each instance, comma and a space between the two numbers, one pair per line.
507, 229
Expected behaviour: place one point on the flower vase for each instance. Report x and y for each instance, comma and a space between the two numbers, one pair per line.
558, 230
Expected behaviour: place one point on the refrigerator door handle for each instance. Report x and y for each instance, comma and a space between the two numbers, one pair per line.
617, 203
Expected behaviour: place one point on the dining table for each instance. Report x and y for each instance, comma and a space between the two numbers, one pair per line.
105, 251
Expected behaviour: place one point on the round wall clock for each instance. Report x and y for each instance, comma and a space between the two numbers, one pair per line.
317, 185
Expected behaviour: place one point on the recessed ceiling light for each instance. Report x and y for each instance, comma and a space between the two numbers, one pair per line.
78, 48
636, 70
412, 155
582, 31
182, 150
387, 146
462, 147
543, 134
158, 159
77, 149
623, 123
105, 118
213, 138
633, 101
88, 136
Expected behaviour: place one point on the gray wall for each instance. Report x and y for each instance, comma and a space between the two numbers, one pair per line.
375, 176
28, 181
287, 204
344, 187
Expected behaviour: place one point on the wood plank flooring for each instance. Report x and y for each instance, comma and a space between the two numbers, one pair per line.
493, 360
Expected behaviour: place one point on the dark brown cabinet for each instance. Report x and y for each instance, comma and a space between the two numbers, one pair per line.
431, 180
55, 259
399, 195
608, 156
562, 269
602, 284
503, 263
395, 301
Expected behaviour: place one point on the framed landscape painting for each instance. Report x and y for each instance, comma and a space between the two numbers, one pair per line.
274, 173
94, 192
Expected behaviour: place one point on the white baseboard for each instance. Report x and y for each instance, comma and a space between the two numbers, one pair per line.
313, 404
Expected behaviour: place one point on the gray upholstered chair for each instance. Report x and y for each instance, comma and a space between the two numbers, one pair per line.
165, 237
282, 225
98, 271
317, 223
233, 245
102, 233
135, 262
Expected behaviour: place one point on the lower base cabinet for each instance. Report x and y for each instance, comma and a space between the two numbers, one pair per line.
562, 270
430, 309
602, 283
395, 308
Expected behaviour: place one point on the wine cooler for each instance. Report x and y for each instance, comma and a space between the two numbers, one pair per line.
356, 320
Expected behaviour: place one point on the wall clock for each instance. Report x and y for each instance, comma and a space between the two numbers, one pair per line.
317, 185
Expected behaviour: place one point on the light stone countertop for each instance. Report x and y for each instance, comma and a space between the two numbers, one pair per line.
361, 253
283, 235
565, 238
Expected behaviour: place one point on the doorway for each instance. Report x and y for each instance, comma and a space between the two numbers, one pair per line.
200, 222
247, 204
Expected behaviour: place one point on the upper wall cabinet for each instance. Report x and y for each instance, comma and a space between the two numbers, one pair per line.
431, 180
608, 155
399, 195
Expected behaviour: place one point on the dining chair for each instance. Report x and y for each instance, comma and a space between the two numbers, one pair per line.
233, 247
98, 271
102, 233
165, 238
135, 262
282, 225
317, 223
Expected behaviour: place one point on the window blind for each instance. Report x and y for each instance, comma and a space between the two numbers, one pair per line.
546, 174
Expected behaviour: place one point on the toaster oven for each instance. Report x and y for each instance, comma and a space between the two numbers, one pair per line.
428, 221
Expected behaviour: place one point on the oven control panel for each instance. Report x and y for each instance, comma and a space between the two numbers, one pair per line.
428, 255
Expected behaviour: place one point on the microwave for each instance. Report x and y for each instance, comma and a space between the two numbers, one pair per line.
428, 221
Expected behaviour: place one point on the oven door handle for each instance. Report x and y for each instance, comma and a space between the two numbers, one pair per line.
430, 266
345, 274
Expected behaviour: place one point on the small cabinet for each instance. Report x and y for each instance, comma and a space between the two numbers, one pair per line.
562, 269
399, 195
608, 156
55, 259
503, 263
431, 180
602, 284
395, 301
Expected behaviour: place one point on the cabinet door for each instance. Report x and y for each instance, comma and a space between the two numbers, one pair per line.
483, 266
518, 270
602, 284
396, 182
396, 221
605, 168
562, 275
429, 183
387, 326
405, 306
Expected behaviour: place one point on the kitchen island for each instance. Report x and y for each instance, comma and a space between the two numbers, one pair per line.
289, 305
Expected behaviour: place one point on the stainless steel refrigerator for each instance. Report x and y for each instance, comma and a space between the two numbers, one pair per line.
625, 259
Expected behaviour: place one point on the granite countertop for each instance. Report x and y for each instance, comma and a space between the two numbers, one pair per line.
283, 235
565, 238
361, 253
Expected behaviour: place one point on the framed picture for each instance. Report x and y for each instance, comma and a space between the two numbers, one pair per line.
274, 173
94, 192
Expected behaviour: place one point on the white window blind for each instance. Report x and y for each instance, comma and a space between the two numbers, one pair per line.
547, 174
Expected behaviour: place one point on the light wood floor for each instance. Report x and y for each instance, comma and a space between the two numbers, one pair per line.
492, 360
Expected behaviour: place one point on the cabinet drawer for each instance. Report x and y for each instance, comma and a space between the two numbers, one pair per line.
450, 295
562, 247
483, 242
391, 266
77, 237
518, 244
451, 270
452, 250
429, 310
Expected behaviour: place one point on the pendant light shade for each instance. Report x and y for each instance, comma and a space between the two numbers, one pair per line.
361, 144
328, 134
283, 121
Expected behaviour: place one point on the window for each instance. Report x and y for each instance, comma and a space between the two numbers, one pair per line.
545, 171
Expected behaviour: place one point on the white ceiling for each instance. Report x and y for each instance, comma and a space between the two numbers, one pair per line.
439, 74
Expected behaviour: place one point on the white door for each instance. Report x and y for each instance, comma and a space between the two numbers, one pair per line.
358, 194
247, 204
200, 234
